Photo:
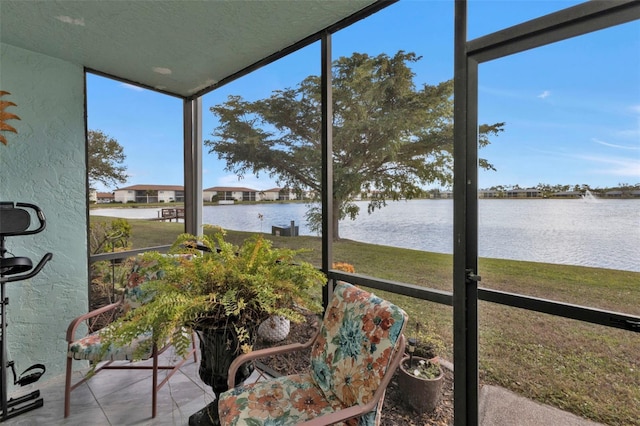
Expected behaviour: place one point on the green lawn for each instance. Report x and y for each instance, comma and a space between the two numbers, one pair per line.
590, 370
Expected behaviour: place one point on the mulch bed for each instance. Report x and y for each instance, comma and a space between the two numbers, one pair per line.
394, 411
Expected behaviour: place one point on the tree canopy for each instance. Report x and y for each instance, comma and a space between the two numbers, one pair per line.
106, 156
390, 138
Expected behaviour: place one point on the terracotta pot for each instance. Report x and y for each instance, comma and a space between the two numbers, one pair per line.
421, 395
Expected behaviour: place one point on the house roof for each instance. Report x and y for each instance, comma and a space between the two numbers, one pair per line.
183, 48
152, 188
229, 189
105, 195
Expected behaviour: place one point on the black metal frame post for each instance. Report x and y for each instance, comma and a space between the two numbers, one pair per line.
192, 122
326, 140
465, 228
577, 20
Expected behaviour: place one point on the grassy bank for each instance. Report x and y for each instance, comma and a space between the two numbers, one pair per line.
590, 370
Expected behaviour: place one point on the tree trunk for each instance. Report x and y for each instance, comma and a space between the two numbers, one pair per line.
335, 217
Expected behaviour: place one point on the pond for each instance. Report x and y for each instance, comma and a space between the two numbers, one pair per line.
599, 233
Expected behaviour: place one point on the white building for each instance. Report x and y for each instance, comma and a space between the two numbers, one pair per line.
149, 194
227, 194
278, 194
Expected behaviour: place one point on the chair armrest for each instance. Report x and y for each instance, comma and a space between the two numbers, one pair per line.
71, 330
359, 410
340, 415
261, 353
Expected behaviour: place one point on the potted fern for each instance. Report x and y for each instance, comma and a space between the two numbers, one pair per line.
223, 292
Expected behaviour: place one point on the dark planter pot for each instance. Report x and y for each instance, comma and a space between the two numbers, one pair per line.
218, 348
421, 395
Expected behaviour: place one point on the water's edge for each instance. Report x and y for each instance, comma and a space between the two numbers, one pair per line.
604, 233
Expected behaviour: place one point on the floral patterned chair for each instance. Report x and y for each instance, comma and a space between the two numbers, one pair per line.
354, 355
89, 347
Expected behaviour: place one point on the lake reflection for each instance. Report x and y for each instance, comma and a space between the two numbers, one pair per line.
601, 234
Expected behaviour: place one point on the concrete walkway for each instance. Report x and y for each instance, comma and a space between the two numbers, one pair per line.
501, 407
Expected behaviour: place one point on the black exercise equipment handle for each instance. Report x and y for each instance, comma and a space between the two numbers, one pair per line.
47, 257
41, 219
27, 379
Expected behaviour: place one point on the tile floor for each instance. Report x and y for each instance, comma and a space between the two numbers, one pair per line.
119, 398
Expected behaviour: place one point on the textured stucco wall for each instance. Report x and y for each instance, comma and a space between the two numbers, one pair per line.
44, 164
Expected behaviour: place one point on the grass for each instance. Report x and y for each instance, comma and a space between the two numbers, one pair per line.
590, 370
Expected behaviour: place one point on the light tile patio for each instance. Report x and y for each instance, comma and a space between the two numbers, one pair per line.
119, 397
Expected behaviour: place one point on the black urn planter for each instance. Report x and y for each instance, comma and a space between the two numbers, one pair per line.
421, 394
219, 346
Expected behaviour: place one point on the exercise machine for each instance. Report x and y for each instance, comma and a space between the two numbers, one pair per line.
15, 220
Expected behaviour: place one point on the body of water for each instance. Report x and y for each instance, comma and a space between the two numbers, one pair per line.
599, 233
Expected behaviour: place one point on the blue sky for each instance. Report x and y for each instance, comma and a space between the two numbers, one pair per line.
572, 109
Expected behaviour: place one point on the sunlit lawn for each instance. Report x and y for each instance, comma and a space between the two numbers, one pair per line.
593, 371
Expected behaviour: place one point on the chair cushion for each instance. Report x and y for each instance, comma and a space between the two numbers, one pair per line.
141, 272
349, 359
90, 348
355, 344
144, 270
286, 400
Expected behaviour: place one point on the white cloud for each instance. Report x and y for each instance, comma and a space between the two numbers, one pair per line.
635, 109
616, 166
544, 95
132, 87
629, 134
513, 94
635, 148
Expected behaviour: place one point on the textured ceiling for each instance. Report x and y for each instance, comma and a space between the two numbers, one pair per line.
178, 47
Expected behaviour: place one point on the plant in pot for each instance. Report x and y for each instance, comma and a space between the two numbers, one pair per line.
223, 292
420, 377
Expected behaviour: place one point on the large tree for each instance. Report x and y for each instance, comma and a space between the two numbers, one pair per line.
106, 156
390, 138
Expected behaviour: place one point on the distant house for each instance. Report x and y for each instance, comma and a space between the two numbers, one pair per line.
613, 194
105, 197
149, 194
272, 194
524, 193
230, 193
277, 194
489, 193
